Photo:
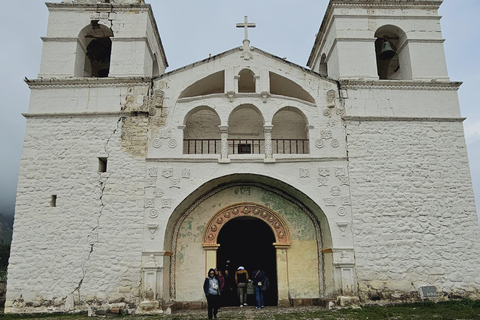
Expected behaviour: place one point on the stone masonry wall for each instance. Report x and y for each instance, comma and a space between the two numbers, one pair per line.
413, 209
87, 249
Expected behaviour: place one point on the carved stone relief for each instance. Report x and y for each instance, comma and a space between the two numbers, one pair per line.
277, 224
167, 172
186, 174
304, 173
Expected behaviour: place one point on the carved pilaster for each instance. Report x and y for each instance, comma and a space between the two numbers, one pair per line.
267, 130
224, 147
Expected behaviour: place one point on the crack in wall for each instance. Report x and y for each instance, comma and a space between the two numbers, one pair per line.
93, 236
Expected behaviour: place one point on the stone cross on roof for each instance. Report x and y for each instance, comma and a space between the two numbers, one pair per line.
246, 25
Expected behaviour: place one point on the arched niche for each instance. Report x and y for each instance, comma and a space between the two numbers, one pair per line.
245, 130
286, 87
201, 134
289, 133
214, 83
246, 81
305, 233
397, 67
94, 51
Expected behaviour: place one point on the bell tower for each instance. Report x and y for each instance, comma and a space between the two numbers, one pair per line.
101, 38
386, 40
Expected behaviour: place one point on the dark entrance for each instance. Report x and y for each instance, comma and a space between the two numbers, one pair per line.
248, 242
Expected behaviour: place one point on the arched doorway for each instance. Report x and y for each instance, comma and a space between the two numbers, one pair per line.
248, 242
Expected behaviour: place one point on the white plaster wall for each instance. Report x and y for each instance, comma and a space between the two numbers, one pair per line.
389, 99
94, 234
414, 214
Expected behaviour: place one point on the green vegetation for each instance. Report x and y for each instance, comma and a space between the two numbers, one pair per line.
4, 255
451, 310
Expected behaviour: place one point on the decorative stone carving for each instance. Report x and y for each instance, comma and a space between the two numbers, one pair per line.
186, 173
223, 216
329, 202
335, 143
304, 173
327, 113
158, 99
319, 143
149, 202
346, 201
330, 98
340, 171
323, 171
322, 181
326, 134
331, 123
167, 172
151, 181
165, 134
166, 203
156, 143
345, 181
175, 183
172, 143
343, 227
341, 211
152, 227
340, 112
335, 191
158, 193
153, 172
153, 213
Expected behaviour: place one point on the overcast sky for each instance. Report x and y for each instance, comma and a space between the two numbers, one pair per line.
193, 29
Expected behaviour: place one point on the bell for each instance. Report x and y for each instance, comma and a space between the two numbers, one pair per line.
387, 52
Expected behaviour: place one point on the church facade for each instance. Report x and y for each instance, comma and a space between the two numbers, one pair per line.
348, 178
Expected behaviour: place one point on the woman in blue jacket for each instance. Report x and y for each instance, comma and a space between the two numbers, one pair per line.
212, 290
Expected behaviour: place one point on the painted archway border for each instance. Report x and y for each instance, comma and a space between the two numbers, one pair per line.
246, 209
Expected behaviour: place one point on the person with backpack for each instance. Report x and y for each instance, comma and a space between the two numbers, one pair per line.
241, 278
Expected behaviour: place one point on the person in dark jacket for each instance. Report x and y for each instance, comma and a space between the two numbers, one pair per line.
259, 278
241, 278
212, 290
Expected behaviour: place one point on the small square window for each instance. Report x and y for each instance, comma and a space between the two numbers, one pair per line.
53, 201
244, 148
102, 164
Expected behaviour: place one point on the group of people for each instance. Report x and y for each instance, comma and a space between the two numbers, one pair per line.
218, 285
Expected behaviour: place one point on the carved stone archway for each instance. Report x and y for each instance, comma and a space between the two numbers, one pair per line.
246, 209
271, 218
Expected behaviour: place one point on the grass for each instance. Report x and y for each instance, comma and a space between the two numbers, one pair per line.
451, 310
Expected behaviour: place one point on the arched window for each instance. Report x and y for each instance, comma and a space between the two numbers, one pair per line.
289, 134
393, 60
201, 134
246, 82
245, 130
94, 51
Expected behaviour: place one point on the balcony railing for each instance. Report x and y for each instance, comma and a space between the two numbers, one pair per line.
202, 146
290, 146
245, 146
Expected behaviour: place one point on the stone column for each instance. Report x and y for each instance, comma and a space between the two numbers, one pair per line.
210, 256
224, 150
267, 132
344, 265
282, 274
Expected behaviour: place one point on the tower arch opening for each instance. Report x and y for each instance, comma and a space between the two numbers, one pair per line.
94, 51
391, 51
